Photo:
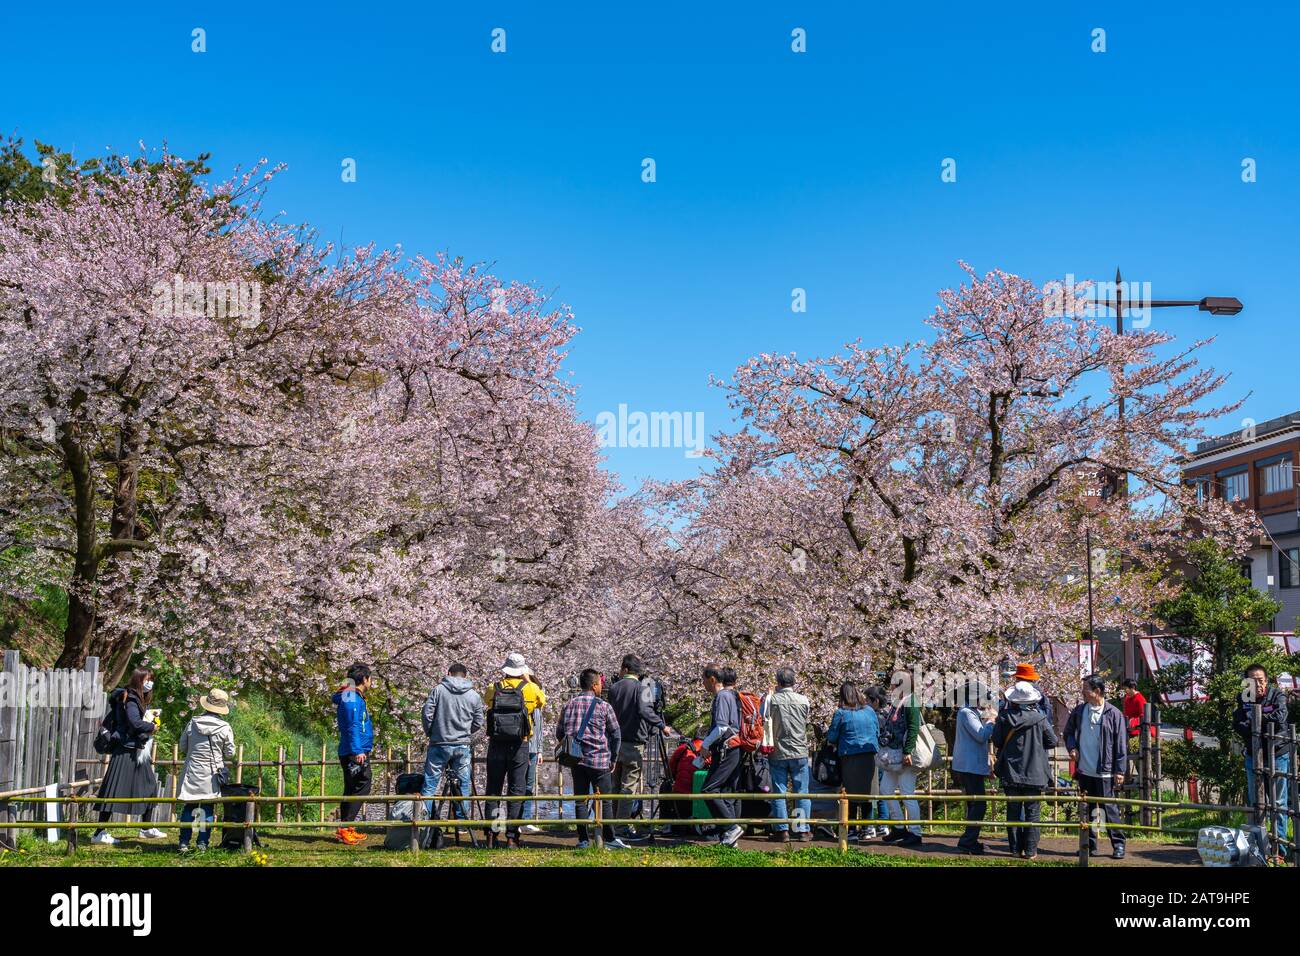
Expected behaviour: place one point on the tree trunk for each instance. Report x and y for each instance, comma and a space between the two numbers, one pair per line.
80, 630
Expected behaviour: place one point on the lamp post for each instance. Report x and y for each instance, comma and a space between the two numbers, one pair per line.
1215, 305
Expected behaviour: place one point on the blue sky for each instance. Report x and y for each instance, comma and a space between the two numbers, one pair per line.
775, 170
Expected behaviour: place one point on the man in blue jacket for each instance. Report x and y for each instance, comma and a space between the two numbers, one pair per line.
1097, 737
356, 740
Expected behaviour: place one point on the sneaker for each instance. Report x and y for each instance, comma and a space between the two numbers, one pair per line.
185, 849
805, 836
153, 833
779, 836
911, 841
870, 833
616, 844
894, 836
529, 828
732, 836
104, 837
347, 835
583, 845
357, 837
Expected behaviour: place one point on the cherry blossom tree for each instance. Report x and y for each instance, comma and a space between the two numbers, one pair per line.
269, 459
927, 503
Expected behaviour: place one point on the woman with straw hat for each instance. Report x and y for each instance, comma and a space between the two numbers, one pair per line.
208, 742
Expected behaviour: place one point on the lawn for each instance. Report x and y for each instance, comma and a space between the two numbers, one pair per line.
292, 848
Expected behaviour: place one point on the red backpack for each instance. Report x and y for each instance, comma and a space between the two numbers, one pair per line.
750, 736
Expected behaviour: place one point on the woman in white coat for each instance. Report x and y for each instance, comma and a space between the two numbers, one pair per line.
208, 742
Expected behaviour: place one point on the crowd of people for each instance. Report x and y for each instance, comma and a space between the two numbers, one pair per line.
751, 744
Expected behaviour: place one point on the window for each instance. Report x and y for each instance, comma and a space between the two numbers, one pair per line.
1202, 488
1288, 567
1276, 476
1236, 487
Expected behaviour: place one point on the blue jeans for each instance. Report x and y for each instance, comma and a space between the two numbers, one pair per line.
209, 811
455, 758
1281, 767
791, 776
530, 785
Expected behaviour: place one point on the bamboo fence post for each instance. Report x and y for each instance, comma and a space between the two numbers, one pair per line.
171, 808
239, 765
70, 814
417, 808
259, 776
844, 820
322, 781
250, 813
297, 809
1085, 824
279, 785
1144, 757
600, 817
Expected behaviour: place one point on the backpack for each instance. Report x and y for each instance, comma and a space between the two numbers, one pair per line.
508, 718
750, 735
233, 838
826, 765
108, 735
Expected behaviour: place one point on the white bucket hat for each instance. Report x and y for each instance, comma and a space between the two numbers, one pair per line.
1023, 692
515, 666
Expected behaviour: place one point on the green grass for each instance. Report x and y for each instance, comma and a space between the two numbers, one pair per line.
289, 848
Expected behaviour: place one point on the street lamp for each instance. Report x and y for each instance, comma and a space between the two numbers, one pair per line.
1215, 305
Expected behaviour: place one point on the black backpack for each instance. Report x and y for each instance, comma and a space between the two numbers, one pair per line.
108, 736
508, 718
233, 838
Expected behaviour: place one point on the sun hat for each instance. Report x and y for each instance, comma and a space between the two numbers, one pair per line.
216, 701
515, 666
1025, 672
1023, 692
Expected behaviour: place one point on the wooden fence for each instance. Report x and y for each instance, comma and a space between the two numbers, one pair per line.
48, 720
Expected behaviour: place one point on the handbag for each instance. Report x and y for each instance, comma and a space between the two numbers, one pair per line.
568, 752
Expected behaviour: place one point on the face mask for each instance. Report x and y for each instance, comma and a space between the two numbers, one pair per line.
148, 686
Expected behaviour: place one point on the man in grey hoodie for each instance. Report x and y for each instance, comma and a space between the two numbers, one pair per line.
452, 714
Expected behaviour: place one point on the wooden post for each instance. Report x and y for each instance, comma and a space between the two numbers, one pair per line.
259, 771
417, 809
322, 782
9, 741
250, 815
298, 808
239, 765
600, 818
279, 785
844, 820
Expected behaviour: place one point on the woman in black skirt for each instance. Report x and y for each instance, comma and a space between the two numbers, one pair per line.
130, 771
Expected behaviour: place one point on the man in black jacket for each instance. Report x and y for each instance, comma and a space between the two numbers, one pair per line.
1272, 704
632, 698
1097, 738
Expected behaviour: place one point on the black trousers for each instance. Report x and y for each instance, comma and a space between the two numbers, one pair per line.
356, 783
507, 766
1102, 787
588, 780
1023, 839
856, 773
724, 777
972, 785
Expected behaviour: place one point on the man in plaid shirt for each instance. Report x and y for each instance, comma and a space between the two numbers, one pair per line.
600, 740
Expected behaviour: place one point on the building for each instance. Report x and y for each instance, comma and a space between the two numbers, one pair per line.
1257, 467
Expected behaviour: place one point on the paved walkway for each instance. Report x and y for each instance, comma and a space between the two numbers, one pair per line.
1050, 849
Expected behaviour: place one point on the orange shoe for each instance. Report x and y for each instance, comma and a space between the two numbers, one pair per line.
347, 835
356, 836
